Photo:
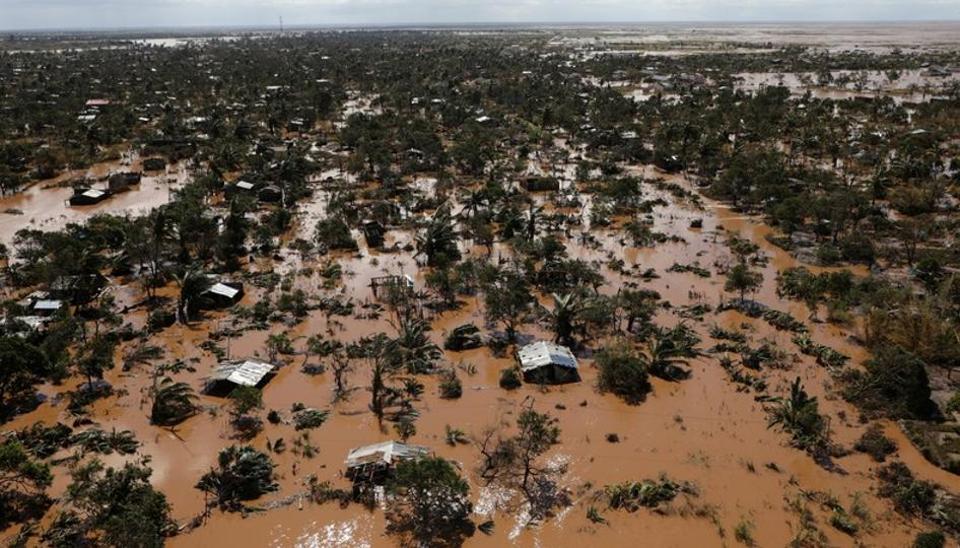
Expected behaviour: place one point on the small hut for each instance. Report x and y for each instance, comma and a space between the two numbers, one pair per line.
401, 283
544, 362
45, 308
229, 375
373, 232
120, 182
540, 184
270, 194
373, 464
221, 295
87, 196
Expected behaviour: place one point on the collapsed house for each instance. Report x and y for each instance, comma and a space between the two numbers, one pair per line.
544, 362
373, 464
270, 194
230, 375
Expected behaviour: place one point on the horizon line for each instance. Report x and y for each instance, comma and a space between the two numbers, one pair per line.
460, 24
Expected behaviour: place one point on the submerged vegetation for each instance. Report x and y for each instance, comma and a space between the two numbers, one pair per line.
383, 234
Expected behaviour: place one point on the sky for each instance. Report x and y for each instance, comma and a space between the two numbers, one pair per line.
107, 14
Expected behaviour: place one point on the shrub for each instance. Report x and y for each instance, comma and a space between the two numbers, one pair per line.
510, 378
875, 444
623, 371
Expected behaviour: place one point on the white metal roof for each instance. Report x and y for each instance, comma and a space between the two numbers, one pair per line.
224, 290
47, 305
93, 193
245, 373
385, 452
543, 353
244, 185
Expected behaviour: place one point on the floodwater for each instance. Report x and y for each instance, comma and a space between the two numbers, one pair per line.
704, 430
44, 205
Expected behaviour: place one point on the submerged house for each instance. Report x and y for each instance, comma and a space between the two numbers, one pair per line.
230, 375
373, 464
88, 196
544, 362
221, 295
45, 308
403, 283
535, 183
373, 232
77, 289
270, 194
119, 182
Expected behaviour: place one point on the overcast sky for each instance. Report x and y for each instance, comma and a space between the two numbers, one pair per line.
40, 14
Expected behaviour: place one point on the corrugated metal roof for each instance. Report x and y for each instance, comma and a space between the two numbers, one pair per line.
47, 305
245, 373
224, 290
93, 193
385, 452
244, 185
543, 353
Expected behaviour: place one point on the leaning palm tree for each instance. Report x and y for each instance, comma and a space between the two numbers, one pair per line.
193, 283
173, 402
665, 357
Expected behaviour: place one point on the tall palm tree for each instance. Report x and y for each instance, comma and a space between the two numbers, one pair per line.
566, 308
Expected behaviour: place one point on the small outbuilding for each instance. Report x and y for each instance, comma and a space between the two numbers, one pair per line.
373, 464
229, 375
120, 182
544, 362
391, 283
221, 295
270, 194
88, 196
45, 308
536, 183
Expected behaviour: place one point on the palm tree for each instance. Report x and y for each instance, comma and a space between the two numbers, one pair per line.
566, 308
173, 402
414, 351
665, 358
439, 240
192, 284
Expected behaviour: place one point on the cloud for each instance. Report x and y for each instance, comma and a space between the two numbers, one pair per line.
27, 14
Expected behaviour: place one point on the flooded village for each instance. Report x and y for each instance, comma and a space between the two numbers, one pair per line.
659, 285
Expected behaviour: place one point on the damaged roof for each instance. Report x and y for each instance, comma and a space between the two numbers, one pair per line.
224, 290
245, 373
386, 452
543, 353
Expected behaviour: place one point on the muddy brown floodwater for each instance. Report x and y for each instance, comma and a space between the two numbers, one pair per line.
702, 430
44, 205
